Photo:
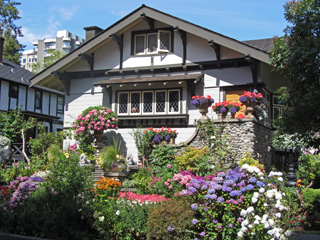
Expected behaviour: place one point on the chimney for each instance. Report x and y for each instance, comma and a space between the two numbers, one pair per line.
92, 32
1, 50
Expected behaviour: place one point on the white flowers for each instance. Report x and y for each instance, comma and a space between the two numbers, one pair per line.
280, 179
278, 215
262, 190
255, 197
101, 219
118, 212
251, 169
243, 213
272, 173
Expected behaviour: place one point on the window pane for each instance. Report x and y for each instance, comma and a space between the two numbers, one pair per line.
139, 44
147, 102
13, 90
135, 102
152, 42
123, 102
164, 40
60, 105
174, 101
38, 99
160, 101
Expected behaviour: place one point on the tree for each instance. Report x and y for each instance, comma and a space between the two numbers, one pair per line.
8, 14
12, 50
296, 56
54, 55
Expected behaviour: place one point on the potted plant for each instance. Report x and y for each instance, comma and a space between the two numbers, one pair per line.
224, 107
94, 120
250, 100
203, 103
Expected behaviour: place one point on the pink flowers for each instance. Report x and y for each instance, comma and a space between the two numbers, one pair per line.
168, 166
143, 198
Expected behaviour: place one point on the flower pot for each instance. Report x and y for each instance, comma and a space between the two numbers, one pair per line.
203, 109
172, 141
222, 116
250, 109
98, 134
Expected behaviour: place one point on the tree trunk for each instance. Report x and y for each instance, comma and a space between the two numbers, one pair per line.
24, 147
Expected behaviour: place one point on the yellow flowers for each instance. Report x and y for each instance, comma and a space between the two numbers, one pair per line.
67, 155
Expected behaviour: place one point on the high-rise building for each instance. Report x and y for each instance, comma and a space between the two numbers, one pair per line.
64, 42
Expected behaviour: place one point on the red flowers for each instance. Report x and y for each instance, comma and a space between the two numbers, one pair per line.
240, 116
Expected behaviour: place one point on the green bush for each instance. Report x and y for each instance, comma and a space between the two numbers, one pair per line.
190, 157
161, 156
175, 215
309, 169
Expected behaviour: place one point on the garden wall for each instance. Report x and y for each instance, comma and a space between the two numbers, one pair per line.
244, 136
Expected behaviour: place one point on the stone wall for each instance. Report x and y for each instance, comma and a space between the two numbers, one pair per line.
244, 136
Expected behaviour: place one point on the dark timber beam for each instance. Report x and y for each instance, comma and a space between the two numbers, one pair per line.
109, 90
149, 20
254, 67
64, 79
119, 41
191, 87
87, 58
183, 36
216, 48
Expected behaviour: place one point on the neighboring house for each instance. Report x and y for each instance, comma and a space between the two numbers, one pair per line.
64, 42
148, 65
43, 104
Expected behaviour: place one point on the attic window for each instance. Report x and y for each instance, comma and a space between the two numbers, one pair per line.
152, 43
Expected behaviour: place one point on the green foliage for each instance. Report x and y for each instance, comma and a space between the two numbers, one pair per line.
190, 157
12, 49
108, 156
217, 140
11, 172
142, 180
58, 209
54, 55
309, 169
12, 122
311, 198
40, 145
296, 57
175, 213
161, 156
116, 219
8, 14
142, 140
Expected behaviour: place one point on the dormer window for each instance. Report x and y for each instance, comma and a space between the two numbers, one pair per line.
152, 42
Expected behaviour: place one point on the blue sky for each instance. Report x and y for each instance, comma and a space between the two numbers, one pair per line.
242, 20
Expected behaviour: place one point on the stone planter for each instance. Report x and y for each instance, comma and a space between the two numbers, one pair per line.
98, 134
222, 116
203, 109
250, 109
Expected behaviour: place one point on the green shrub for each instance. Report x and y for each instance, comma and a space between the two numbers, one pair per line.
175, 215
190, 157
309, 169
161, 156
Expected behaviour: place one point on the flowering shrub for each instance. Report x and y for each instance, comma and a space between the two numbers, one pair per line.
197, 100
236, 203
22, 187
226, 106
140, 198
251, 97
107, 187
162, 134
95, 118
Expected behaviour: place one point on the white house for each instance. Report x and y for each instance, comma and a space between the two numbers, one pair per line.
155, 63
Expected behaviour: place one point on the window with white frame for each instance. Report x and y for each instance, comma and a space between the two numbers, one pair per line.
149, 102
152, 43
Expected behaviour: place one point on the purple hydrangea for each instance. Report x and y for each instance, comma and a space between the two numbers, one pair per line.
260, 184
223, 110
217, 187
233, 110
250, 187
243, 99
170, 229
252, 180
202, 100
192, 189
194, 102
194, 206
230, 225
211, 190
194, 221
156, 139
202, 234
167, 139
215, 221
219, 227
220, 200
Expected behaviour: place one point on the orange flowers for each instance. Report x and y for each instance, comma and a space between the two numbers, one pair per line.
299, 182
106, 183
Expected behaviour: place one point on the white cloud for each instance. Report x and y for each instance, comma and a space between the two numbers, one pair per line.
120, 13
67, 13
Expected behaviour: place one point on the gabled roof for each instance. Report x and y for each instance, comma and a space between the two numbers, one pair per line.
46, 78
12, 72
263, 44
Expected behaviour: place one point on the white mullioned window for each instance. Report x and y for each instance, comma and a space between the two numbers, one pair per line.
149, 102
152, 43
